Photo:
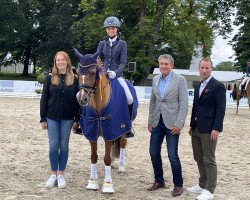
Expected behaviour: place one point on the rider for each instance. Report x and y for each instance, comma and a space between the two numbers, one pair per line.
113, 51
246, 80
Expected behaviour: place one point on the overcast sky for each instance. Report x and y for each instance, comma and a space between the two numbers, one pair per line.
221, 51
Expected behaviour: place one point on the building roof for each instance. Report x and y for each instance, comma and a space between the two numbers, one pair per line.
225, 76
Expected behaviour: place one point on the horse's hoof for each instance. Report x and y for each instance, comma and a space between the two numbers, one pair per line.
108, 188
92, 185
121, 169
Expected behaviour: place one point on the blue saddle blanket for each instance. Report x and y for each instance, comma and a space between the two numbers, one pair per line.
114, 119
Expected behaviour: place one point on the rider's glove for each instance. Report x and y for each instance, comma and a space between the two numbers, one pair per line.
111, 74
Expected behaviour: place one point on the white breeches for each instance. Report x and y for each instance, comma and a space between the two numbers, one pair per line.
126, 89
245, 81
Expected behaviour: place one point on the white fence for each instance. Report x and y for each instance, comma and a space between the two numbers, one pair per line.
27, 89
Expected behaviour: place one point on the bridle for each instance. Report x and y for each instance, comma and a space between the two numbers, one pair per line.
93, 89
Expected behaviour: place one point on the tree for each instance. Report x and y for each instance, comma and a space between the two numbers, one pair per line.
149, 27
225, 66
241, 41
57, 31
23, 28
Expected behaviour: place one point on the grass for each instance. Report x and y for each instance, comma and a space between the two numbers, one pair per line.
18, 77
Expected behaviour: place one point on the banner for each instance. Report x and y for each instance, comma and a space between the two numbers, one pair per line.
26, 88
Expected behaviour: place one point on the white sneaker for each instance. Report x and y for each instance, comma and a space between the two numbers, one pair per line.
205, 195
51, 181
61, 182
195, 189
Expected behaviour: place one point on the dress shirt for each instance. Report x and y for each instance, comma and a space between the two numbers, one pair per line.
112, 40
203, 85
163, 84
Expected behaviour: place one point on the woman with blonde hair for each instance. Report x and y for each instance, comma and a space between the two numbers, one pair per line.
59, 112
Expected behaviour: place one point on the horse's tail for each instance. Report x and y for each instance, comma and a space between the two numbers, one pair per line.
115, 151
234, 93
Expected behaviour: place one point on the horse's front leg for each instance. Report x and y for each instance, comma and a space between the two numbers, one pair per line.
108, 185
93, 181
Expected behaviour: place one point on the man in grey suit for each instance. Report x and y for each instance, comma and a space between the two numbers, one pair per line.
167, 114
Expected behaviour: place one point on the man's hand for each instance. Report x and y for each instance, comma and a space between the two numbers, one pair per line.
150, 128
190, 131
214, 135
175, 130
111, 74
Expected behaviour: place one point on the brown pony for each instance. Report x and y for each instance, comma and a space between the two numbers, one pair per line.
95, 92
239, 92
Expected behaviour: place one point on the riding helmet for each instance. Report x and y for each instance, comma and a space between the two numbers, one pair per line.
112, 21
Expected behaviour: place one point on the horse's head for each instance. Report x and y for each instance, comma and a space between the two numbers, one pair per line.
90, 73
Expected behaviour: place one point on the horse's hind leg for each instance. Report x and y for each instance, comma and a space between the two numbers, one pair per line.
93, 182
238, 102
121, 162
108, 185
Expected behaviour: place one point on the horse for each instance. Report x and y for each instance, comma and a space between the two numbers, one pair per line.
239, 92
105, 113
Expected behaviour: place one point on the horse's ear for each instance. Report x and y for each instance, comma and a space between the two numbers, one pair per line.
78, 54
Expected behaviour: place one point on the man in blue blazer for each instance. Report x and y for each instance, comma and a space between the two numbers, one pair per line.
206, 123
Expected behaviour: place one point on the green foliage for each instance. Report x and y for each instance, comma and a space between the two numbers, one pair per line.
36, 29
38, 91
150, 28
241, 41
225, 66
41, 78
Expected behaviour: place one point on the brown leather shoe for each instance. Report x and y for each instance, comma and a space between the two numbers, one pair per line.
156, 186
177, 191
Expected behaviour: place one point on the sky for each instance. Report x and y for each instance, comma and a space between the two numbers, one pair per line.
221, 51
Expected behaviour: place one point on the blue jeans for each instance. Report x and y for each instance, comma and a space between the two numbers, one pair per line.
156, 139
59, 133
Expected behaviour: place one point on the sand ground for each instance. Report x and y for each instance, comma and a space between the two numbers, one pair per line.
24, 163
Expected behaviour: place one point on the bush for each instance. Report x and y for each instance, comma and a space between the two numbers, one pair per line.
41, 78
38, 91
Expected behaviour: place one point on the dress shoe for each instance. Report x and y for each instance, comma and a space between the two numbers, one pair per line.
177, 191
156, 186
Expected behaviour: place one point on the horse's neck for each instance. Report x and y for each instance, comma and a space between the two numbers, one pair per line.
101, 98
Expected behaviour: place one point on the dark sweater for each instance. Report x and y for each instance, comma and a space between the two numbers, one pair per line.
58, 102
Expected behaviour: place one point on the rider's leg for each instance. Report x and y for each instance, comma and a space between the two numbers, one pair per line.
130, 103
247, 82
126, 89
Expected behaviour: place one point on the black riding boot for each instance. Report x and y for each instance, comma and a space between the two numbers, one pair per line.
131, 133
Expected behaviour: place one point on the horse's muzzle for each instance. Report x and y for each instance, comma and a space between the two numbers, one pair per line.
82, 99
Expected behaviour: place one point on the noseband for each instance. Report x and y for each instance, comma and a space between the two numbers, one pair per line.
91, 89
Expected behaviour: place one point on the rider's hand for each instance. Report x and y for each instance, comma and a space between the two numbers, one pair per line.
111, 74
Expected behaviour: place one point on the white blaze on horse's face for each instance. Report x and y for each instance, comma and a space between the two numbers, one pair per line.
84, 94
